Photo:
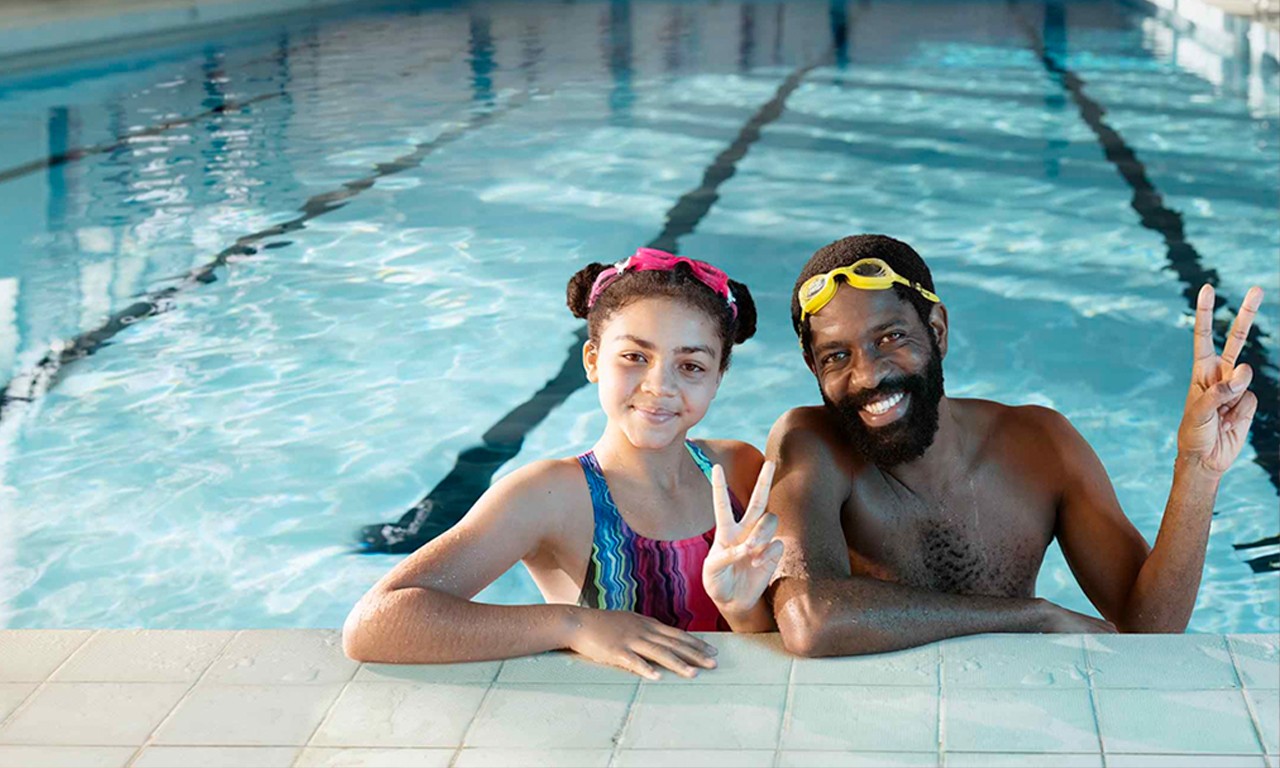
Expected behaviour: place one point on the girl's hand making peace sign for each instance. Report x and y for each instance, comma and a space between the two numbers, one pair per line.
743, 555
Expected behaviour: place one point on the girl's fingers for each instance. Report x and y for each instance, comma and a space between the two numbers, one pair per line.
759, 495
694, 654
666, 656
762, 532
720, 502
696, 644
769, 556
634, 664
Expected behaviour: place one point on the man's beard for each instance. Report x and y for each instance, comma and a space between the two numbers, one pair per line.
911, 435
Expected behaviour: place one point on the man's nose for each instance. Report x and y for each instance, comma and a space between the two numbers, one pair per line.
868, 370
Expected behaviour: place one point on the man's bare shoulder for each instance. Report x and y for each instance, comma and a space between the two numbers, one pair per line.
809, 436
1029, 430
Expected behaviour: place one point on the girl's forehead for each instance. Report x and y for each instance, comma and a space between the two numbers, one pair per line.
662, 319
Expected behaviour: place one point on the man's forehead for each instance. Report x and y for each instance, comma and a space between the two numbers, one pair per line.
853, 310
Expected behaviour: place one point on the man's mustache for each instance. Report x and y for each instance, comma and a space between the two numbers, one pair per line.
887, 387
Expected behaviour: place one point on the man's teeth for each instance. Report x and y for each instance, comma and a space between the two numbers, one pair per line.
880, 406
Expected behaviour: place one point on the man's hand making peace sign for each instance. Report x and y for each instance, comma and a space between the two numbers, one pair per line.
1219, 406
743, 556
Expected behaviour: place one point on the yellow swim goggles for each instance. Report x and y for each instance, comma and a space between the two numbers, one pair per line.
867, 274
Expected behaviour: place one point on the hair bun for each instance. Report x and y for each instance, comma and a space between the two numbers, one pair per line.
578, 291
746, 323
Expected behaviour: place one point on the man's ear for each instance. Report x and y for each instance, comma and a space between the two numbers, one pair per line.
938, 324
589, 353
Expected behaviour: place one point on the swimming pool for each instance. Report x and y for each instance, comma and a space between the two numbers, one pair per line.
328, 258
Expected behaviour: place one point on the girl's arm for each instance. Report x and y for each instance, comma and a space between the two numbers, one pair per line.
421, 612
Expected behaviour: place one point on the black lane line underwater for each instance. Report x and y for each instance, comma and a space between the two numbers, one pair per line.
77, 153
28, 386
473, 471
1183, 258
1263, 563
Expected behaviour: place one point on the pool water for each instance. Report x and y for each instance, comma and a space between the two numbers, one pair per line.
389, 202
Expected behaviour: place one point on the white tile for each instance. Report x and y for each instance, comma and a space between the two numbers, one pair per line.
706, 717
703, 758
1184, 662
479, 672
533, 758
247, 715
31, 655
65, 757
1185, 761
289, 656
1020, 760
12, 695
1014, 661
400, 715
104, 714
143, 656
862, 718
1175, 722
1257, 659
562, 668
215, 757
757, 659
369, 757
913, 666
1266, 707
1019, 720
542, 716
845, 759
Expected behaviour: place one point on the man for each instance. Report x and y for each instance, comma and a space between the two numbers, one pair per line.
909, 516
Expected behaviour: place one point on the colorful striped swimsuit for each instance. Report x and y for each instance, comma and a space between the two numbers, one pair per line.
661, 579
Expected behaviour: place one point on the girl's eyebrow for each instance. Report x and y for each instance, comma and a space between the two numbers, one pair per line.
645, 344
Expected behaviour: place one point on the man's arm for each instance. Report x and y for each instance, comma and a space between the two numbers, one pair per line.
824, 610
1155, 590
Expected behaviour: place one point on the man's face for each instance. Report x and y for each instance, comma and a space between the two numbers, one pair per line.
880, 372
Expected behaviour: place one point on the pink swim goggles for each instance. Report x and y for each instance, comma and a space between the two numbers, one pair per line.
651, 258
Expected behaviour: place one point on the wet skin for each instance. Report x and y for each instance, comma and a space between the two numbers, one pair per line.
951, 542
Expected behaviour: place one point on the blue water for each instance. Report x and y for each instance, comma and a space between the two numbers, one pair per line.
208, 467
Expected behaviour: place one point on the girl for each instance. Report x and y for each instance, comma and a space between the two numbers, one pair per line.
633, 544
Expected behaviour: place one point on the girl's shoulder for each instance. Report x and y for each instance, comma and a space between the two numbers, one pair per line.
741, 461
544, 481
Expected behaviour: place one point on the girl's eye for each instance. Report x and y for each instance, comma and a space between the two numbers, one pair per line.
634, 357
694, 368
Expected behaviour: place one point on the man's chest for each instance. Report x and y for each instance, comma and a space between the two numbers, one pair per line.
980, 539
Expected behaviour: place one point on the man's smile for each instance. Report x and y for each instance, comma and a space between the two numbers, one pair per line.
885, 410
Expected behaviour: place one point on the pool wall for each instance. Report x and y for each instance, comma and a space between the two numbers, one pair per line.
33, 34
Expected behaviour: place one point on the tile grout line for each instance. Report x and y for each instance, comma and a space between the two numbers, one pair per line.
328, 712
471, 724
940, 669
42, 684
626, 724
137, 752
787, 702
1093, 698
1254, 720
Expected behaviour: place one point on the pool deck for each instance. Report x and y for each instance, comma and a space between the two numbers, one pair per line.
290, 697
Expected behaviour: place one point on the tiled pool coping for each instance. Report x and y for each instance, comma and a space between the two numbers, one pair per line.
289, 697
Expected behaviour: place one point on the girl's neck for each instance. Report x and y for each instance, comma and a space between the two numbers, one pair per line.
664, 468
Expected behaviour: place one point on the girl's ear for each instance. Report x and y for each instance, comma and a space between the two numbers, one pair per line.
589, 353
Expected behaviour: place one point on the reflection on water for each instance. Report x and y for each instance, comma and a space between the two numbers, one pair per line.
207, 466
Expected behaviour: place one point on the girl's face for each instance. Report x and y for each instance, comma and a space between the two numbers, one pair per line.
658, 367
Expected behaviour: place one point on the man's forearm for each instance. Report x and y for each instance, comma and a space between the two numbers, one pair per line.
1164, 593
857, 615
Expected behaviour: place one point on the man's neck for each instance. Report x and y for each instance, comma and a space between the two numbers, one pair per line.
942, 461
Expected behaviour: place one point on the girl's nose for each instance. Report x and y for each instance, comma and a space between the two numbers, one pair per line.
660, 381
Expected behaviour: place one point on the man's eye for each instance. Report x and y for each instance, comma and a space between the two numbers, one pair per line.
834, 357
892, 336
